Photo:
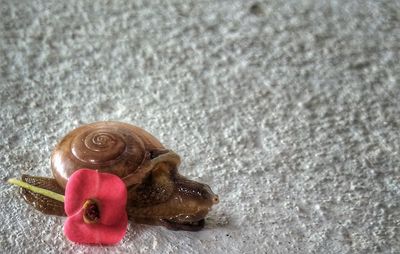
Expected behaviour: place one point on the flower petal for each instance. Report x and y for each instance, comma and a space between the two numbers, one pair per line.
112, 197
81, 185
78, 231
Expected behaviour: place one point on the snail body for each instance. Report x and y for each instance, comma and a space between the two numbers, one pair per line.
157, 193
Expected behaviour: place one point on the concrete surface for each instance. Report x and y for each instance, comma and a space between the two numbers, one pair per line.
288, 109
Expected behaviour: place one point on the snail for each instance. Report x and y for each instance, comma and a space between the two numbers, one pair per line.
157, 193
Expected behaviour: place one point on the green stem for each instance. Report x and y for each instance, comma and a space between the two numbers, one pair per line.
36, 189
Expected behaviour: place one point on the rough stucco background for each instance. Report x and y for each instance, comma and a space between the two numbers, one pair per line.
288, 109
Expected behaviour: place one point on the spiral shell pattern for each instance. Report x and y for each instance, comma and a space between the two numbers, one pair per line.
98, 147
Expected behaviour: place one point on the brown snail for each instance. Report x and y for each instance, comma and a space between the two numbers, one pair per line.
157, 193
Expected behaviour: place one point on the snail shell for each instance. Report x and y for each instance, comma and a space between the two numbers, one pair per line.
112, 147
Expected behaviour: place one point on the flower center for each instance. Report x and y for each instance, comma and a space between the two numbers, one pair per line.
91, 212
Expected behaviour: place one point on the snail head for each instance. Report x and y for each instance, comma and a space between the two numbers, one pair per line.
165, 197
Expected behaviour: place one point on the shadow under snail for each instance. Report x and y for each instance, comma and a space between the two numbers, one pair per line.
157, 193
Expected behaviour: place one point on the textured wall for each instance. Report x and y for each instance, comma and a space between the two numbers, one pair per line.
290, 110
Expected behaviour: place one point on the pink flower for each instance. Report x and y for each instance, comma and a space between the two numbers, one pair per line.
95, 204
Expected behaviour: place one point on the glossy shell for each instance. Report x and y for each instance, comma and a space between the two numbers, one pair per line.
112, 147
